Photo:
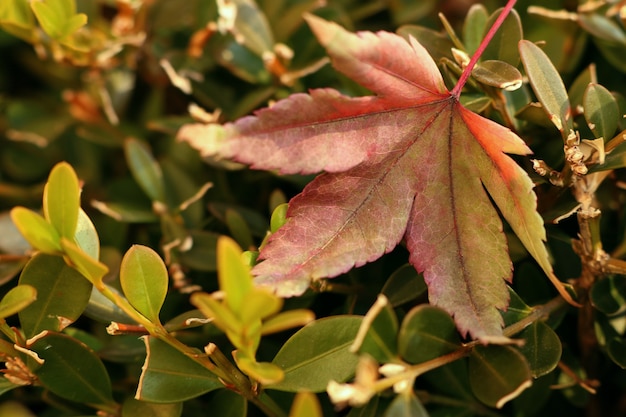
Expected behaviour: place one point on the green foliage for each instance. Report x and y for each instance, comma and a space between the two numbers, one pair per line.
126, 257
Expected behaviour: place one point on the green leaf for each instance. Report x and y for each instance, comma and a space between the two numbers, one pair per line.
377, 335
427, 332
405, 284
58, 18
86, 236
40, 234
260, 305
547, 85
223, 317
92, 269
71, 370
542, 348
263, 372
517, 309
61, 200
616, 349
305, 405
226, 403
498, 374
238, 228
279, 217
145, 169
252, 26
406, 405
62, 295
501, 46
317, 354
170, 376
234, 276
144, 280
601, 111
474, 27
134, 408
17, 299
498, 74
17, 19
287, 320
608, 295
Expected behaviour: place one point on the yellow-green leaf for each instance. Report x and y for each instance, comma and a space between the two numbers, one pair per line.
16, 299
36, 230
144, 280
61, 199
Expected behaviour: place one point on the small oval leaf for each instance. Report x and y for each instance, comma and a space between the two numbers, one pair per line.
317, 354
56, 284
71, 370
61, 199
169, 376
427, 332
542, 348
601, 111
498, 374
305, 405
547, 85
498, 74
145, 169
144, 280
509, 33
40, 234
17, 299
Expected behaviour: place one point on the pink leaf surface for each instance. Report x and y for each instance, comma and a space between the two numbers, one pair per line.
407, 163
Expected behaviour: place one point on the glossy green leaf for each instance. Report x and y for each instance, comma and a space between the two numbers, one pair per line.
145, 169
17, 299
501, 47
578, 87
135, 408
547, 85
405, 284
305, 405
287, 320
602, 27
317, 354
90, 268
474, 27
601, 111
144, 280
279, 216
170, 376
427, 332
56, 284
234, 276
378, 333
542, 348
498, 374
498, 74
227, 403
40, 234
608, 295
406, 404
71, 370
61, 200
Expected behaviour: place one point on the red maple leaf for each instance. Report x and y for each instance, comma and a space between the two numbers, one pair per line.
408, 162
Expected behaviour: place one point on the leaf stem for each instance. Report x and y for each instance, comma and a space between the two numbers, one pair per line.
456, 92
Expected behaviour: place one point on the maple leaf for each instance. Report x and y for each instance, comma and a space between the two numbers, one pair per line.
409, 162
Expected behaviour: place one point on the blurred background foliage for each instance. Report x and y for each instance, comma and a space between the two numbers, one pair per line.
105, 85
